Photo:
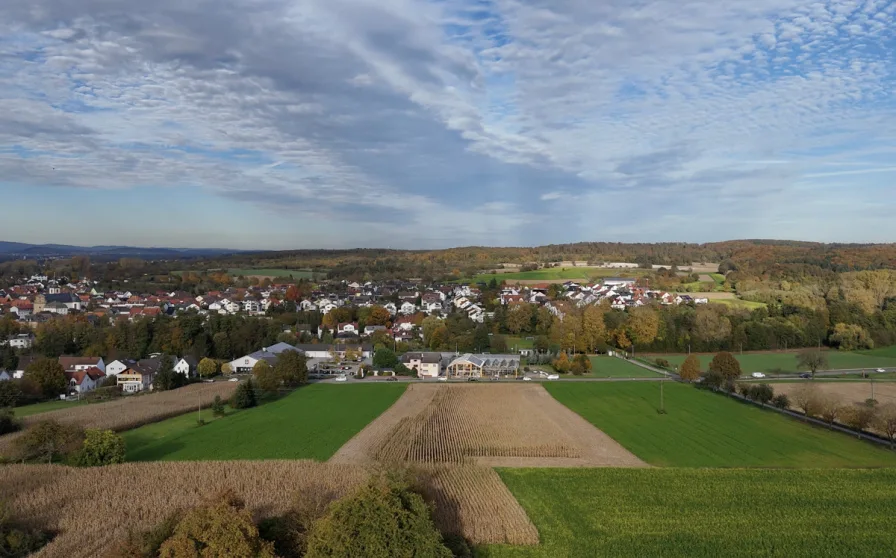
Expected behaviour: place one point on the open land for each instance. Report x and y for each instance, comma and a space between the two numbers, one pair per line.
509, 425
704, 512
786, 361
703, 429
612, 367
556, 274
44, 407
847, 392
130, 412
311, 423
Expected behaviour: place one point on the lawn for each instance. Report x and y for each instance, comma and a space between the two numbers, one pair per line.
518, 342
612, 367
28, 410
704, 512
786, 361
886, 352
311, 423
739, 303
704, 429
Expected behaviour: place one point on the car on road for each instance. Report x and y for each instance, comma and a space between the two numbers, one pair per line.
341, 379
758, 375
527, 379
391, 379
346, 367
805, 375
472, 379
881, 370
233, 380
553, 376
443, 378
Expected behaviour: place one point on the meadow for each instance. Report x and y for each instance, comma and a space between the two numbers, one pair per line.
311, 423
555, 274
704, 512
612, 367
46, 406
786, 361
296, 273
704, 429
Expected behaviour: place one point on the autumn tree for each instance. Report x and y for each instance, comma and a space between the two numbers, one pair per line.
812, 359
265, 377
885, 422
207, 368
850, 337
711, 325
594, 331
643, 325
48, 375
101, 447
858, 416
829, 407
690, 369
806, 397
291, 368
220, 528
378, 316
48, 440
725, 364
581, 365
561, 364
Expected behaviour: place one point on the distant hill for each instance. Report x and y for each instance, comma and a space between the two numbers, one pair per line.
21, 249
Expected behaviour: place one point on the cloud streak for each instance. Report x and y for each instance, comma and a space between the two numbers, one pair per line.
412, 123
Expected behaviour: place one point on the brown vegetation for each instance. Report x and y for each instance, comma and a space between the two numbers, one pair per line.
130, 412
500, 425
138, 496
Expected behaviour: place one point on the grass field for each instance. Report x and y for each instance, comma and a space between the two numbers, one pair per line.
886, 352
28, 410
311, 423
704, 512
296, 273
612, 367
739, 303
518, 342
555, 273
703, 429
786, 361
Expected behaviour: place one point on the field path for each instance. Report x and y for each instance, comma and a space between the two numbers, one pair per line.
506, 425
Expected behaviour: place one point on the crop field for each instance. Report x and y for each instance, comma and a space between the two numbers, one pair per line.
556, 274
847, 392
612, 367
311, 423
786, 361
133, 411
704, 512
36, 408
703, 429
495, 425
474, 501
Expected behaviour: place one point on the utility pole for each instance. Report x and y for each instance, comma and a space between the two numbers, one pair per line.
199, 398
662, 401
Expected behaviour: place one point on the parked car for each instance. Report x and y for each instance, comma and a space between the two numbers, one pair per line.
341, 379
553, 376
527, 379
233, 380
758, 375
443, 378
472, 379
881, 370
391, 379
805, 375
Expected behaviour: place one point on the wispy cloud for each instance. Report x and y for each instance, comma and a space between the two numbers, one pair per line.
409, 122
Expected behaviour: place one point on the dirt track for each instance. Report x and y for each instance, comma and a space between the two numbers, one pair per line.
505, 425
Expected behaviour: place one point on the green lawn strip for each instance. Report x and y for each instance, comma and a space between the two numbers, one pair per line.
786, 361
612, 367
518, 342
311, 423
886, 352
704, 512
704, 429
36, 408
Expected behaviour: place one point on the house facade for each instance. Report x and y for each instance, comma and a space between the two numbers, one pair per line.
427, 365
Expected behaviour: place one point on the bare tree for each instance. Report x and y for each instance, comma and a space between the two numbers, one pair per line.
806, 398
885, 422
829, 407
812, 359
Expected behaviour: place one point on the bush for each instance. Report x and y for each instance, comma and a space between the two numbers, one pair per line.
761, 393
459, 546
244, 396
663, 363
145, 544
223, 527
18, 541
725, 364
289, 532
8, 421
385, 518
712, 380
218, 406
781, 401
101, 447
48, 440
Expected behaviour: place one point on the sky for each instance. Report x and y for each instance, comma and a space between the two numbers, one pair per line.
278, 124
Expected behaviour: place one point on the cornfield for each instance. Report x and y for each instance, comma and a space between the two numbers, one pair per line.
130, 412
507, 425
91, 509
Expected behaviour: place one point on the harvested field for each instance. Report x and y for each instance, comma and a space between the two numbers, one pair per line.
847, 391
472, 501
505, 425
130, 412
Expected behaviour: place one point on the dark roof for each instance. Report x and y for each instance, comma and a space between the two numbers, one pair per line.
429, 358
62, 298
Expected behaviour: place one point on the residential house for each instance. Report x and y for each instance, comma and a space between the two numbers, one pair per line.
349, 328
427, 365
20, 341
118, 366
76, 364
390, 307
5, 375
244, 365
407, 308
187, 366
82, 381
139, 376
371, 329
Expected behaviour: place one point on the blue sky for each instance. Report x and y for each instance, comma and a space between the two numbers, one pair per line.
412, 124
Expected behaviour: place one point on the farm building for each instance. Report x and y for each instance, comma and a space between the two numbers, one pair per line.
478, 366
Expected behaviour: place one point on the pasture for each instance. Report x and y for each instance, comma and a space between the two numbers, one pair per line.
786, 361
46, 406
557, 274
703, 429
704, 512
612, 367
295, 273
311, 423
509, 425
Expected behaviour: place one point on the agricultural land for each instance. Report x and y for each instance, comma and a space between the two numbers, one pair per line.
785, 361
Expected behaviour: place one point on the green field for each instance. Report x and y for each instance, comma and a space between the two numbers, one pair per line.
739, 303
311, 423
786, 361
612, 367
296, 273
28, 410
886, 352
557, 273
704, 429
704, 512
518, 343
